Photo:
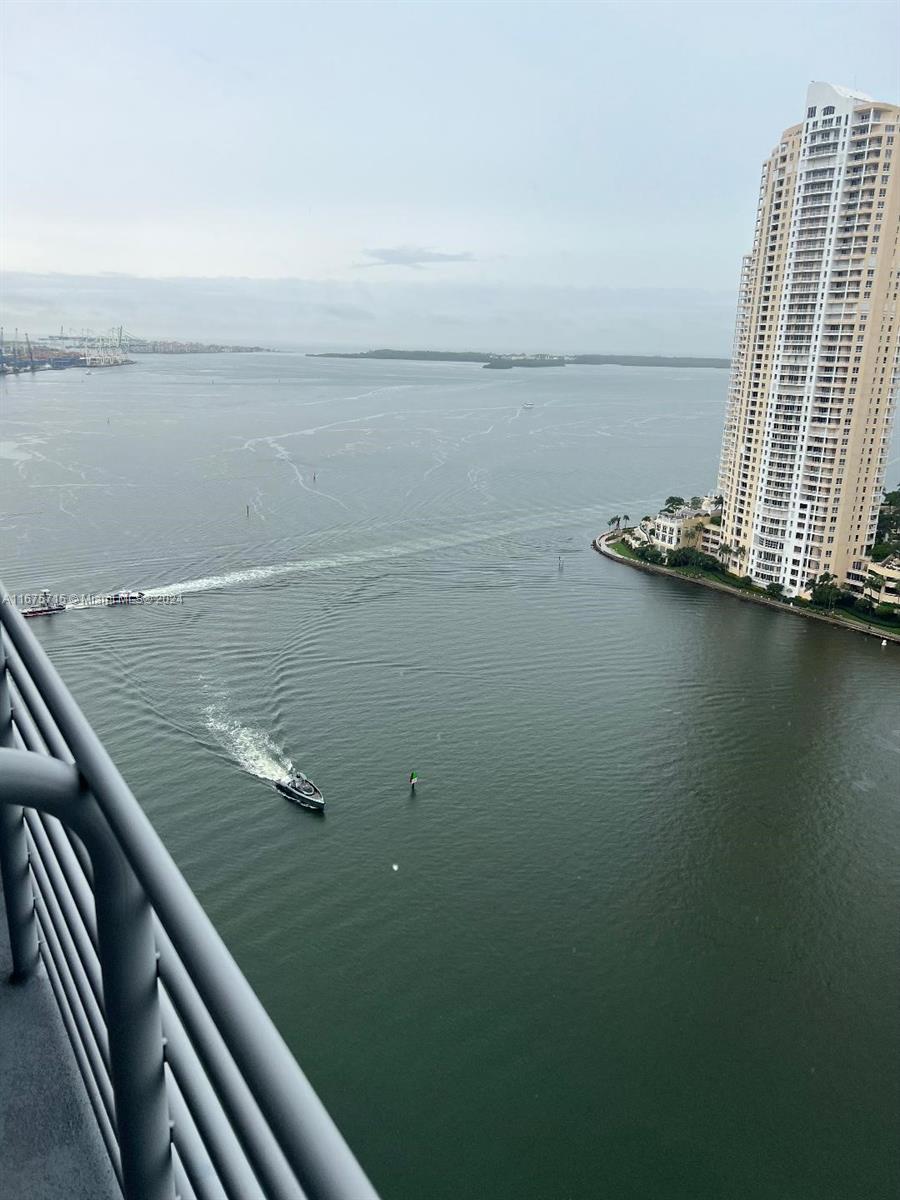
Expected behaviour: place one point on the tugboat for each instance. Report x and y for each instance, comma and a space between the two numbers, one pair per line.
43, 608
303, 792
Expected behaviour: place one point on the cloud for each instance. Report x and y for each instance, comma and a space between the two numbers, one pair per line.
411, 256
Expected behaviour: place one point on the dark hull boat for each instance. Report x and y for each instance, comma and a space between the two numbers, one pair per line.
44, 608
303, 792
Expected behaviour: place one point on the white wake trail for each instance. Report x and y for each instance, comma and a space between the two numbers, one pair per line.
254, 750
425, 545
283, 455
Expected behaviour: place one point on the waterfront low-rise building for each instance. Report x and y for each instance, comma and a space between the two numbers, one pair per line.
711, 538
883, 581
683, 527
687, 526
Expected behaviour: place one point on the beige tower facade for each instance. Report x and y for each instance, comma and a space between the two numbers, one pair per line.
815, 365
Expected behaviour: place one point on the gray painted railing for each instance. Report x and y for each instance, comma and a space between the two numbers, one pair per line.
195, 1093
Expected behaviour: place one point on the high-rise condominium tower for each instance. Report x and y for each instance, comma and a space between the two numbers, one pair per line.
816, 348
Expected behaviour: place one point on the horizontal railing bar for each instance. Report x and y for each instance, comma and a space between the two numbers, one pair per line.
259, 1143
310, 1141
270, 1151
183, 1188
46, 861
318, 1155
234, 1171
36, 704
31, 739
76, 1013
193, 1152
75, 972
23, 723
97, 1103
127, 951
73, 873
81, 855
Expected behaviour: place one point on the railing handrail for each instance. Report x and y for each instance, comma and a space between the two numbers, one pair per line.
313, 1150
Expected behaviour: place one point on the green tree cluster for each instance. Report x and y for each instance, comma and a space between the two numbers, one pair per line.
887, 536
826, 594
686, 556
823, 590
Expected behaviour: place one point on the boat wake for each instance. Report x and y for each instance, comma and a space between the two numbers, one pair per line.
252, 749
425, 545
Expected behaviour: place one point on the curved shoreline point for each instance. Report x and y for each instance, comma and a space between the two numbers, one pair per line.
602, 544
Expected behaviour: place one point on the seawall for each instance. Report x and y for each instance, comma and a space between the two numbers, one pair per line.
602, 544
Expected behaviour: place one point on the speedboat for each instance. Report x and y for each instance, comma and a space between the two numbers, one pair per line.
302, 791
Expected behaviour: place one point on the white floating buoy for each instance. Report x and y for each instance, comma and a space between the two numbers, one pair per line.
395, 867
884, 641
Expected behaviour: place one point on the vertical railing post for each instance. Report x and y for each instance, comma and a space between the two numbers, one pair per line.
128, 961
17, 894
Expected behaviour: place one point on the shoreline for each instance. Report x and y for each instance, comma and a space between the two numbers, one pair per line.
602, 544
531, 360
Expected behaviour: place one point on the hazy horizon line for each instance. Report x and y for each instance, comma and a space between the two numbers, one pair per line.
354, 315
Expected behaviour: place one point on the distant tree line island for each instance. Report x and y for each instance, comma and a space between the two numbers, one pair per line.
507, 361
164, 346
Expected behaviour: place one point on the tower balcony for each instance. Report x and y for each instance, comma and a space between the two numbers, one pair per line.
133, 1048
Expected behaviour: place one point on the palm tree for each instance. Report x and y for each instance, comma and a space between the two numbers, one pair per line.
625, 519
614, 521
725, 551
824, 590
873, 583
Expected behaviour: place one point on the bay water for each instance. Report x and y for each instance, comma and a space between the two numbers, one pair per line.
634, 935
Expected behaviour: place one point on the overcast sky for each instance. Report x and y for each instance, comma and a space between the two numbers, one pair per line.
486, 149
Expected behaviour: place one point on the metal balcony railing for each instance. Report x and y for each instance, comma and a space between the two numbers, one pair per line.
195, 1093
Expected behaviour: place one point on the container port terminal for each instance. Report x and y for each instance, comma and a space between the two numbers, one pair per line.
88, 350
